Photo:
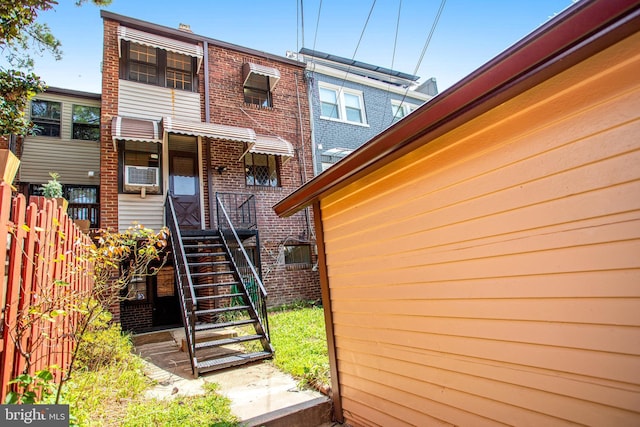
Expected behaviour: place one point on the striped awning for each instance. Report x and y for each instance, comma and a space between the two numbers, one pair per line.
273, 145
161, 42
249, 70
135, 129
210, 130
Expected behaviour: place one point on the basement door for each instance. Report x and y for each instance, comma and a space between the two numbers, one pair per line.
184, 180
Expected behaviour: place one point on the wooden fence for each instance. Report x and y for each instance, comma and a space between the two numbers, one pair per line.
42, 269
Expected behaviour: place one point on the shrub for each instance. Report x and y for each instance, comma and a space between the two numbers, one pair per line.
103, 345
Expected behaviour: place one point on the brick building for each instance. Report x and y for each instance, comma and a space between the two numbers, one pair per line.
187, 117
352, 101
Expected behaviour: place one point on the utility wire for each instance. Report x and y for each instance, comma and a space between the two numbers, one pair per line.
433, 28
315, 36
363, 29
424, 50
393, 60
354, 52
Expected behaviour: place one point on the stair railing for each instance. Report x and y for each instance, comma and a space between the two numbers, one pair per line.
186, 291
249, 276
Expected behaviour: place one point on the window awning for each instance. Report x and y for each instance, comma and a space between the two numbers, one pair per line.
249, 69
273, 145
210, 130
135, 130
161, 42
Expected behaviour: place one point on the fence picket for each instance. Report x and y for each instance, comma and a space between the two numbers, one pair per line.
45, 246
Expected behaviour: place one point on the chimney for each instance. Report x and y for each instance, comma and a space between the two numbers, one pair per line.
185, 27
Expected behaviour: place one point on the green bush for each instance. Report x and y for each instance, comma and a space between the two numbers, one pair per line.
103, 344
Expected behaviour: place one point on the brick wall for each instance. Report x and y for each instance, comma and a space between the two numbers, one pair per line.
289, 99
108, 156
136, 317
289, 119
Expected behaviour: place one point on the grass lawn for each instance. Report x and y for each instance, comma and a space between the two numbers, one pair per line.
300, 341
108, 387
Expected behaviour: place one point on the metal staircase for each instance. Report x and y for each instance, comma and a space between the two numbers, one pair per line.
222, 298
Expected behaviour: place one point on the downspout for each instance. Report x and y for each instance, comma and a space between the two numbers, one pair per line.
303, 164
207, 119
310, 79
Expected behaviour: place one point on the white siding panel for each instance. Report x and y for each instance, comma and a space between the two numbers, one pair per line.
71, 158
134, 209
150, 102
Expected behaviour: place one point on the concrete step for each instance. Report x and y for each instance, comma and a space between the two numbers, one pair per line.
311, 413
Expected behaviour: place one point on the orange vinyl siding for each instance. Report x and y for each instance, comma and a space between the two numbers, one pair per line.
492, 276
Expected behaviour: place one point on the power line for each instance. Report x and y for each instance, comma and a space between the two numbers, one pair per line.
433, 28
315, 36
363, 29
424, 50
393, 59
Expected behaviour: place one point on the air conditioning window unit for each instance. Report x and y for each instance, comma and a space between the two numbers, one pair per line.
136, 177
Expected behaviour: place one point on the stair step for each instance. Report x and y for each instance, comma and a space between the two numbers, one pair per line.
203, 245
222, 310
239, 359
211, 326
226, 341
199, 233
205, 254
213, 285
211, 273
214, 297
208, 263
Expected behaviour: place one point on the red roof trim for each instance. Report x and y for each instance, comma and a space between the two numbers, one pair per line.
579, 32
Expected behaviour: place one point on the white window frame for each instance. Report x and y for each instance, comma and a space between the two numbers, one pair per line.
406, 108
342, 110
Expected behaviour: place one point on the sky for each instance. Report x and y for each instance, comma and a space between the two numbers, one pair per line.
468, 33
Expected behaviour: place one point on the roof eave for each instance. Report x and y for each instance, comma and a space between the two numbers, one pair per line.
192, 37
579, 32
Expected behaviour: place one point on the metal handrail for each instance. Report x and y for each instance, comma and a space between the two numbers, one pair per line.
183, 254
245, 209
182, 268
259, 305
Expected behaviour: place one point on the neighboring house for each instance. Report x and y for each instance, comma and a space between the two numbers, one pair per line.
188, 118
66, 141
480, 259
352, 101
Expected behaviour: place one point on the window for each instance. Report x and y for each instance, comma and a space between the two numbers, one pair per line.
297, 254
143, 64
141, 167
46, 117
155, 66
329, 102
399, 110
261, 170
178, 71
341, 104
137, 289
256, 91
86, 123
83, 201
